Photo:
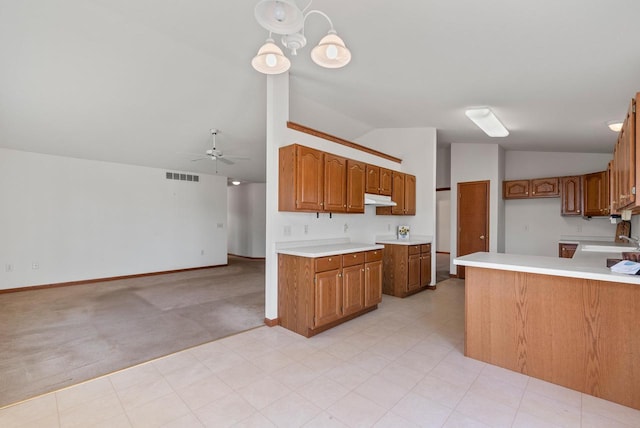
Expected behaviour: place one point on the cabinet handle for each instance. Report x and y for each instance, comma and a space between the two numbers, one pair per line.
481, 236
578, 211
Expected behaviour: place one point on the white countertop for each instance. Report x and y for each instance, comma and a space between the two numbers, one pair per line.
584, 264
413, 240
323, 250
403, 241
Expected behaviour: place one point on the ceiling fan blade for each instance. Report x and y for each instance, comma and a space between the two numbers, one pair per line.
225, 160
236, 157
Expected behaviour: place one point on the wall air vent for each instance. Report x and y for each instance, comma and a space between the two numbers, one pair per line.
182, 177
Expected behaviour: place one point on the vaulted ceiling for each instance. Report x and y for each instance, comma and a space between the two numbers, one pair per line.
142, 81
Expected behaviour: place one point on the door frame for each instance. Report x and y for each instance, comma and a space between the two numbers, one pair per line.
487, 183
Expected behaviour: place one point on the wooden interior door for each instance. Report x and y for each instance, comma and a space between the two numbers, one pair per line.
473, 219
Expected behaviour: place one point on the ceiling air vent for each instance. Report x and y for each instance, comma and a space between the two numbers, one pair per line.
182, 177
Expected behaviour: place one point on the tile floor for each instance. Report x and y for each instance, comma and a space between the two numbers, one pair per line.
399, 366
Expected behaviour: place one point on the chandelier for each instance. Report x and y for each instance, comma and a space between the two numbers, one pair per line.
285, 18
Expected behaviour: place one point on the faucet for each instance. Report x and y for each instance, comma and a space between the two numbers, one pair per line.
632, 240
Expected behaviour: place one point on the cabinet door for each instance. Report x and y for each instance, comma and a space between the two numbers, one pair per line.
425, 268
386, 181
309, 179
410, 194
571, 193
515, 189
413, 280
328, 297
356, 176
352, 289
397, 193
373, 179
613, 189
627, 160
372, 283
595, 189
335, 183
545, 188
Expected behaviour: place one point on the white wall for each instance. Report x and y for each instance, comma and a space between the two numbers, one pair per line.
80, 219
443, 175
477, 162
443, 221
246, 216
534, 226
417, 147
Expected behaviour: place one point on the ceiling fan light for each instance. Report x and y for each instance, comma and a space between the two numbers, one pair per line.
331, 52
615, 125
486, 120
270, 59
279, 16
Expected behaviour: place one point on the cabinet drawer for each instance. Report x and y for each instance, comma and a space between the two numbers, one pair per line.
425, 248
414, 249
352, 259
328, 263
373, 256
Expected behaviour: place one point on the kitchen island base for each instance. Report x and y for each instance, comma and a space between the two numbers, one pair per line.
582, 334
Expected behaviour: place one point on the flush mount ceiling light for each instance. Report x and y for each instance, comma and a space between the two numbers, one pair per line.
235, 182
484, 119
285, 18
615, 125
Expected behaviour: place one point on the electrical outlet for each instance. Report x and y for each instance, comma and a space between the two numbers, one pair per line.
202, 252
35, 266
306, 229
526, 227
9, 267
287, 230
346, 227
220, 225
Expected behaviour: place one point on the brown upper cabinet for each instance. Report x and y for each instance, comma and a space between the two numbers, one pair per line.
595, 194
335, 183
535, 188
403, 193
311, 180
625, 179
515, 189
571, 193
545, 188
301, 179
378, 180
355, 186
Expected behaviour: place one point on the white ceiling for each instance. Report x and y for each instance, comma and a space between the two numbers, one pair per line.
143, 81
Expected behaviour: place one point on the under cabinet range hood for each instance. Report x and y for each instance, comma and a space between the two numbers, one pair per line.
378, 200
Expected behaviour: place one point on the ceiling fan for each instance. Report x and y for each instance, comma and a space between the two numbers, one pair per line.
215, 154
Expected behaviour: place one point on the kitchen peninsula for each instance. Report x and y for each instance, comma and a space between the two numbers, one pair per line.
571, 322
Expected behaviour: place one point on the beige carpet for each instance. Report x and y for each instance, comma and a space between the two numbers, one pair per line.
58, 337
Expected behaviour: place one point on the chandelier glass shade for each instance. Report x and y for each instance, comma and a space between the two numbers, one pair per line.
270, 59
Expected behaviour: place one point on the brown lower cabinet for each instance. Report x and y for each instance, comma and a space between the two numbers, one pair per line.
315, 294
406, 269
566, 251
